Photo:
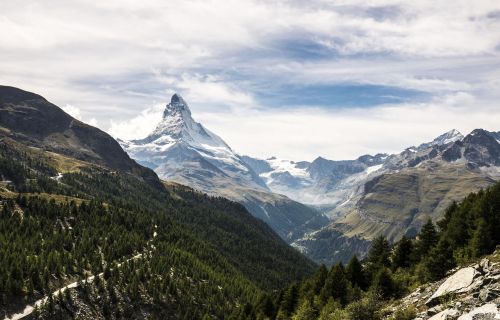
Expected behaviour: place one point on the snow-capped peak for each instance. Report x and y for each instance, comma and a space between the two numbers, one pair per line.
176, 106
179, 140
450, 136
445, 138
177, 125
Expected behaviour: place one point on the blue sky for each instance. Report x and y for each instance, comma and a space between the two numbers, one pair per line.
284, 78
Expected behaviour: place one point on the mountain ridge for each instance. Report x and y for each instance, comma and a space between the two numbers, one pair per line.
182, 150
29, 118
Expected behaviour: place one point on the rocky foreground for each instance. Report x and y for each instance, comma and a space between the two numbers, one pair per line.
468, 293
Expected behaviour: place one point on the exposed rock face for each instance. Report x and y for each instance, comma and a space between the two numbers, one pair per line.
469, 293
460, 281
389, 195
184, 151
30, 119
487, 311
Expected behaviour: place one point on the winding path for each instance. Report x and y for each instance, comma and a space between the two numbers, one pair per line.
31, 307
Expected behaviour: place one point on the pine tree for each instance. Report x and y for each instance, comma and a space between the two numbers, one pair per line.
383, 284
481, 242
355, 274
305, 311
329, 309
336, 286
289, 300
402, 254
427, 239
439, 260
319, 279
379, 252
265, 307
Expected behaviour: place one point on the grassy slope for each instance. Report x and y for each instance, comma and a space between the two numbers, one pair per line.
221, 226
399, 203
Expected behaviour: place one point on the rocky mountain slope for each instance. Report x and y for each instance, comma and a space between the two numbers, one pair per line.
29, 118
468, 293
182, 150
390, 195
69, 213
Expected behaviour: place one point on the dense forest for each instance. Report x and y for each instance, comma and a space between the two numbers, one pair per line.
180, 254
166, 254
358, 291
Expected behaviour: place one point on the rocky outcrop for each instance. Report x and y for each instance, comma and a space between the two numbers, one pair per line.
32, 120
460, 281
468, 293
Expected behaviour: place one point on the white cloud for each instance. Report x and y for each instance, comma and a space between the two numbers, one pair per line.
76, 113
72, 111
207, 90
139, 126
115, 58
306, 133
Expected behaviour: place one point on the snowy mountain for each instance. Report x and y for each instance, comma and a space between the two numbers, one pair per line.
182, 150
384, 194
178, 138
377, 194
321, 182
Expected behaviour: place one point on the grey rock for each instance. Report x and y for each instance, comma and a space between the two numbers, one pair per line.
485, 312
487, 295
458, 282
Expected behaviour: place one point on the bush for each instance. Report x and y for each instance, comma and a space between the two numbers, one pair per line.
405, 314
364, 309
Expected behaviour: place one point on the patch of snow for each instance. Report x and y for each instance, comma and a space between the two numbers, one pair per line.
283, 165
372, 169
265, 211
58, 177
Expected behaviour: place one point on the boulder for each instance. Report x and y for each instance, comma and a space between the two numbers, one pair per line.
447, 314
458, 282
487, 294
484, 312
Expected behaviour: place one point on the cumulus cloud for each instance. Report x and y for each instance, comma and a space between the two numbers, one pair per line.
72, 111
305, 133
119, 62
76, 113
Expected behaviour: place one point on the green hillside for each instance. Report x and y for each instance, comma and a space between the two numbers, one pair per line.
164, 254
363, 290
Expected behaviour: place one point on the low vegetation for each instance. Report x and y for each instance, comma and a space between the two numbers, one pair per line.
360, 290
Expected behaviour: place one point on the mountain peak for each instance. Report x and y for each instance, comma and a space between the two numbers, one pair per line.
445, 138
450, 136
177, 106
177, 100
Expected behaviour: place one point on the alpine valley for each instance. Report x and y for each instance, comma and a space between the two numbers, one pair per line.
183, 151
327, 209
87, 233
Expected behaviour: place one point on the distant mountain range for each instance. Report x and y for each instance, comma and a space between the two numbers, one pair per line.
184, 151
76, 208
377, 194
384, 194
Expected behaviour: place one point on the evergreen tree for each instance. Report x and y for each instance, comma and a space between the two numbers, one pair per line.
481, 239
439, 260
289, 301
355, 274
305, 311
336, 286
265, 307
383, 284
402, 254
378, 255
427, 239
320, 278
329, 310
